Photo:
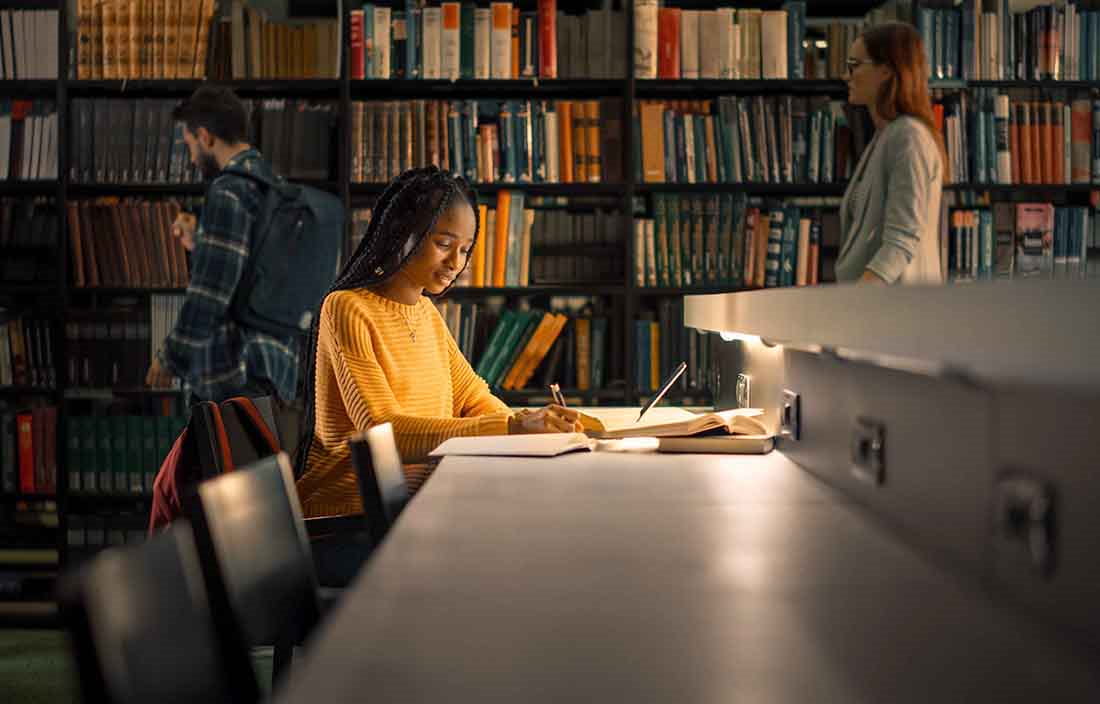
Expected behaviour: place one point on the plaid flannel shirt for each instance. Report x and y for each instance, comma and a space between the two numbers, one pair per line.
214, 355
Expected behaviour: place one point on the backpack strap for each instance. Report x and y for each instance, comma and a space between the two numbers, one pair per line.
211, 440
254, 422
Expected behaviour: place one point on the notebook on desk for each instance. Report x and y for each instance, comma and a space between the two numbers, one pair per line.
669, 421
536, 445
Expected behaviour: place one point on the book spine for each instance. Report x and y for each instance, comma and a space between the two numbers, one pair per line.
547, 39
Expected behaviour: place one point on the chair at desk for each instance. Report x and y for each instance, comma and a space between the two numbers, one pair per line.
143, 631
382, 485
255, 556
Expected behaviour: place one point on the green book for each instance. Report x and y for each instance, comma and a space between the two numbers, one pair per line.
134, 457
672, 210
599, 347
466, 40
89, 455
525, 322
74, 456
496, 339
150, 460
104, 455
120, 462
660, 275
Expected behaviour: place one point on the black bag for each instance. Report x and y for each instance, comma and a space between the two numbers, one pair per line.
295, 250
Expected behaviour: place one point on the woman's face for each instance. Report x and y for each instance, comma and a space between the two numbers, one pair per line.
863, 76
443, 251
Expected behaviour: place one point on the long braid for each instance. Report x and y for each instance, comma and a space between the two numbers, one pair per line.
404, 213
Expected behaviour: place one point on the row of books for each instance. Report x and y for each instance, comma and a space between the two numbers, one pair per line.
28, 44
260, 47
520, 246
116, 140
114, 347
87, 534
722, 43
984, 40
28, 240
658, 353
149, 39
124, 242
298, 137
993, 137
1021, 240
767, 139
459, 40
118, 454
28, 140
488, 141
727, 240
26, 351
28, 455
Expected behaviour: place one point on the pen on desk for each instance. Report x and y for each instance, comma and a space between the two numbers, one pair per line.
555, 391
664, 389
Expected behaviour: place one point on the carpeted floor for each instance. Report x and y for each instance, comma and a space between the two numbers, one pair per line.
35, 668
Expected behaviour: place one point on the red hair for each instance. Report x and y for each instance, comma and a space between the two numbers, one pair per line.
899, 47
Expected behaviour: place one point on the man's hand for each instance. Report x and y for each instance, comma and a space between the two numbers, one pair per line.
184, 229
158, 377
549, 419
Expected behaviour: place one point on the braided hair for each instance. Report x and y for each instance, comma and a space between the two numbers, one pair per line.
404, 214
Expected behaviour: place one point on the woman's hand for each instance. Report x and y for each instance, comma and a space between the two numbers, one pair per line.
548, 419
870, 277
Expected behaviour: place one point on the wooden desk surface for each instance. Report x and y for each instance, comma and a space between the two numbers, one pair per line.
658, 578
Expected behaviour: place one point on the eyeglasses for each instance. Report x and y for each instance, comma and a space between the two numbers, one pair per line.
853, 64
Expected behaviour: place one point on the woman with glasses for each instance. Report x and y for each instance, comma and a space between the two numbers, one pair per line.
889, 215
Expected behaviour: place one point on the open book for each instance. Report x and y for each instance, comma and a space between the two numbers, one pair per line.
667, 421
537, 445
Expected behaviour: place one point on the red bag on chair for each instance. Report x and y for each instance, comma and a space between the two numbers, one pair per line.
217, 439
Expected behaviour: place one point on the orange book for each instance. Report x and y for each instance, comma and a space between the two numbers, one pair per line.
545, 343
1014, 141
25, 429
761, 250
565, 140
500, 239
654, 355
1047, 122
1057, 137
592, 140
122, 39
651, 119
477, 257
1027, 137
515, 42
580, 142
528, 351
583, 328
110, 38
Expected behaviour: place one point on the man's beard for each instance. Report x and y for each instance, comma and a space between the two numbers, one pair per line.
208, 166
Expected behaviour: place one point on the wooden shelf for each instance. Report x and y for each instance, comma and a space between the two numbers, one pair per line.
126, 290
95, 190
1007, 188
28, 188
33, 88
1039, 84
154, 87
654, 291
777, 189
544, 189
384, 89
580, 289
678, 88
96, 394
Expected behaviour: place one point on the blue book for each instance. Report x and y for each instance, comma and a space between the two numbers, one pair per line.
454, 137
990, 138
775, 247
721, 167
598, 332
507, 136
636, 124
925, 18
798, 140
515, 239
680, 155
672, 151
1060, 243
788, 252
413, 43
940, 44
469, 125
951, 37
978, 139
796, 30
369, 69
985, 227
538, 142
699, 127
522, 124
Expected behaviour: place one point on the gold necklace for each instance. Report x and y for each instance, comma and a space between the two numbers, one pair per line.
409, 323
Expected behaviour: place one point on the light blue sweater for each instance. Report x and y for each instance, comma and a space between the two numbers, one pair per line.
890, 214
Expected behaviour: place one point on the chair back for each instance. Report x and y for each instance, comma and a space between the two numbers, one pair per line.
142, 629
382, 485
254, 550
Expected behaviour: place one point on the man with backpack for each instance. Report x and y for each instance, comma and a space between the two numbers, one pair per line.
263, 254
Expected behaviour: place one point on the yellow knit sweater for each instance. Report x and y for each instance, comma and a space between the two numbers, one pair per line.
382, 361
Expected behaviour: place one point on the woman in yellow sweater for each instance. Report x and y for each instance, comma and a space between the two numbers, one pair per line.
384, 354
